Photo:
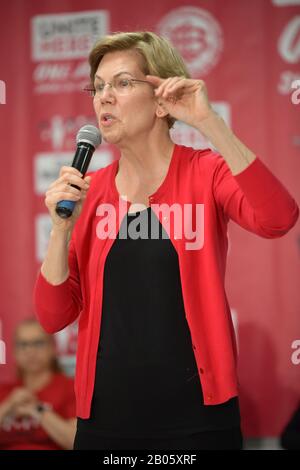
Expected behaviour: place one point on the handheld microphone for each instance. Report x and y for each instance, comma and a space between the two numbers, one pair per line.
88, 138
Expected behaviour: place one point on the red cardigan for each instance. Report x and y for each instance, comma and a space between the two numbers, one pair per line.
254, 198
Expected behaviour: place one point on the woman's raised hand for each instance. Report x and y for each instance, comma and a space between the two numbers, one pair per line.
183, 98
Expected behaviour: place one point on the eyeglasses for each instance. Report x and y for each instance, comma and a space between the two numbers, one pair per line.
36, 344
122, 86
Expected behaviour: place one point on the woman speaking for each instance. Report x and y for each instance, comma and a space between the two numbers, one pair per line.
142, 259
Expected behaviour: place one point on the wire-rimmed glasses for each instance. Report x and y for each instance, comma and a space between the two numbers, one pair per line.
122, 86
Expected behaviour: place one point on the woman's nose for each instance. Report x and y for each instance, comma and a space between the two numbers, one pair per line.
107, 93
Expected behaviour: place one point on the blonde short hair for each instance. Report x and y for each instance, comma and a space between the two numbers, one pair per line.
159, 57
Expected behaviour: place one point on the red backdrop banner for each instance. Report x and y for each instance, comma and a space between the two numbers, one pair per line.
249, 55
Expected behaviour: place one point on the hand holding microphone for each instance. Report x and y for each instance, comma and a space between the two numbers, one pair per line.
65, 196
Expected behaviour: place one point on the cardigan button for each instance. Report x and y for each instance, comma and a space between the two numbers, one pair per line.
194, 347
201, 370
209, 397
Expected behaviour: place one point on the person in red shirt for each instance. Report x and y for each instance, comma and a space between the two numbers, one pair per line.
37, 411
156, 358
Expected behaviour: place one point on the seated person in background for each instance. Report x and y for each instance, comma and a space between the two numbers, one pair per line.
290, 437
37, 411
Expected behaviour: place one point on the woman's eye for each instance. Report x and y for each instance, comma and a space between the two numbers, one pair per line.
123, 83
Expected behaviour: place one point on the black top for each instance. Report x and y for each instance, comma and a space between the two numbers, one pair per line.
147, 382
290, 437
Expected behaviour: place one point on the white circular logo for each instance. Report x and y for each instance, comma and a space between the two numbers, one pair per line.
196, 35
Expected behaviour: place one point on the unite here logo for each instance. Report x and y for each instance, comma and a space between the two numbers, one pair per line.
2, 92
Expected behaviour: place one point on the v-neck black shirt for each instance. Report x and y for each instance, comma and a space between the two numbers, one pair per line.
147, 383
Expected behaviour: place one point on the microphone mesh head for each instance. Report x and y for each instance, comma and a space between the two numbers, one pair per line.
89, 134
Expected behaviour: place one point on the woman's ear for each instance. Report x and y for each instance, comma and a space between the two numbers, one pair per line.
160, 110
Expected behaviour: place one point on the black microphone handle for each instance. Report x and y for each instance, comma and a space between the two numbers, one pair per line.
81, 161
